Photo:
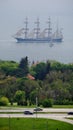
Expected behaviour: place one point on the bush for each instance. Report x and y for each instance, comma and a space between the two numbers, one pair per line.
63, 102
22, 103
4, 101
47, 103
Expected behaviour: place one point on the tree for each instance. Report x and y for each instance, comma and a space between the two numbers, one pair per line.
40, 70
33, 96
23, 65
20, 97
48, 67
47, 103
30, 86
4, 101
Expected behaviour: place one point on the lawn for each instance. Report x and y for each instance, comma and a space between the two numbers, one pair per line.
33, 124
62, 106
33, 106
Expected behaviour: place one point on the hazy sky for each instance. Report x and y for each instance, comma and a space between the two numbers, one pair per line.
37, 6
13, 12
12, 16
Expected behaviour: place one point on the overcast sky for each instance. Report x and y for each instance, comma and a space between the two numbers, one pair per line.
38, 6
13, 12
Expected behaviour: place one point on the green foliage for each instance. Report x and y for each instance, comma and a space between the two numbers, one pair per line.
20, 97
60, 66
19, 72
14, 69
40, 70
53, 80
8, 67
23, 65
47, 103
10, 64
4, 101
2, 74
33, 96
29, 87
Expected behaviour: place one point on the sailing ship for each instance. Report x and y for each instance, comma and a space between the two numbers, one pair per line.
38, 36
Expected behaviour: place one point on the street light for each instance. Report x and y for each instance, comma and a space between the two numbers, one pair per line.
9, 122
36, 102
36, 105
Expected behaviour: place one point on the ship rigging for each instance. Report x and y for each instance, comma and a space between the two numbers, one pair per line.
46, 36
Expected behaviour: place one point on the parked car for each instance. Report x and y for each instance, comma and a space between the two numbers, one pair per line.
70, 113
38, 109
28, 112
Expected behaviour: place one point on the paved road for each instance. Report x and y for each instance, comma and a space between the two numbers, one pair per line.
56, 116
31, 109
61, 117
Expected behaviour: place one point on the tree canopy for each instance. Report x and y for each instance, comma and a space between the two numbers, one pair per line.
52, 80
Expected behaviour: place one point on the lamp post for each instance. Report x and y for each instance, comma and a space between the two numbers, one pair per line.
9, 122
36, 105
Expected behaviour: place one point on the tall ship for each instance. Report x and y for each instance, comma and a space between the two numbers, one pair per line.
38, 36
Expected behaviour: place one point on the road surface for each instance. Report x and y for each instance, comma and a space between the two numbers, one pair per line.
53, 115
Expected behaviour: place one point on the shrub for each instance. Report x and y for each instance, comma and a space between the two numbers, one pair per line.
63, 102
4, 101
22, 103
47, 103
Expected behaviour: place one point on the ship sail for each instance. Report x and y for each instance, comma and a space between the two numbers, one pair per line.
57, 35
20, 32
31, 34
37, 29
36, 35
49, 29
42, 34
26, 28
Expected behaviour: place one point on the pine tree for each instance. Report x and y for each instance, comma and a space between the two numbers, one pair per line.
23, 65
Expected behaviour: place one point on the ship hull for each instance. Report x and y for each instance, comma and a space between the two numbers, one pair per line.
39, 40
57, 40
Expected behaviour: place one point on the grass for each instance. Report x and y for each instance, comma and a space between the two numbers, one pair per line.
33, 124
62, 106
70, 118
33, 106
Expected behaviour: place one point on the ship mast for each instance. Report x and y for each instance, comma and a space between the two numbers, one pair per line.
26, 27
37, 29
58, 31
49, 27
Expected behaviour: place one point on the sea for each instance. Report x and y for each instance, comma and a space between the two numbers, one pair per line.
38, 52
12, 17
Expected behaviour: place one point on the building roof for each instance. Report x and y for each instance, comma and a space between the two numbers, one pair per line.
29, 76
